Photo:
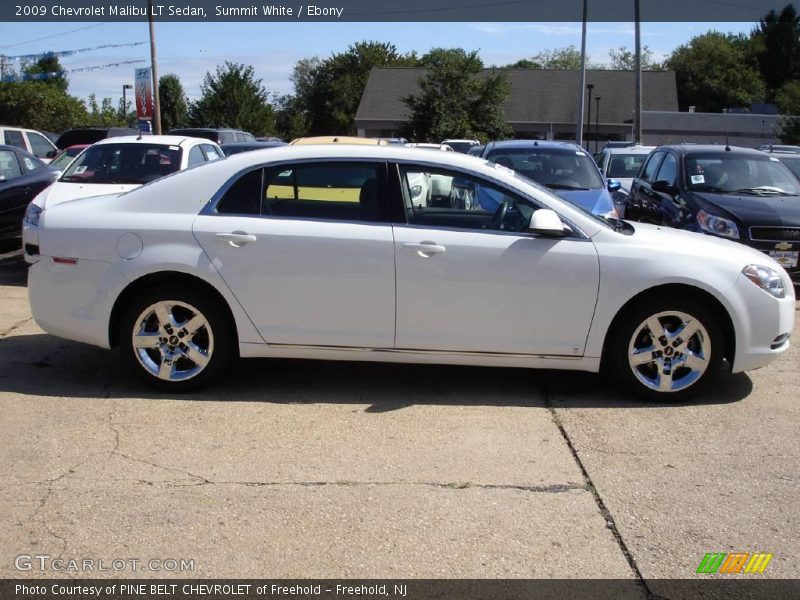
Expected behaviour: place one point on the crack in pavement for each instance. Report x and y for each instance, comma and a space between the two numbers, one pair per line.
601, 505
15, 327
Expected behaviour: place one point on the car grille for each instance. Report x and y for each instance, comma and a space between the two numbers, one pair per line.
775, 234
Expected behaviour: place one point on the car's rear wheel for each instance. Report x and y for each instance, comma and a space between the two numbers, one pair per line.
175, 339
667, 349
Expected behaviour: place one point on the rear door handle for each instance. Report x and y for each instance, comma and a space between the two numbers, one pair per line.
236, 239
425, 249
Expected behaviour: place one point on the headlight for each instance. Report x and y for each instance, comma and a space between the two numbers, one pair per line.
32, 215
766, 278
717, 225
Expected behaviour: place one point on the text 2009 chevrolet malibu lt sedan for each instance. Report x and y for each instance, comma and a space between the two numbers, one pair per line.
384, 254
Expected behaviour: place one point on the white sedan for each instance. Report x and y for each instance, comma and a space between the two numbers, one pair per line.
319, 252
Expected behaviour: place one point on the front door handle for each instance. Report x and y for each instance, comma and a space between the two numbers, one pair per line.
425, 249
237, 239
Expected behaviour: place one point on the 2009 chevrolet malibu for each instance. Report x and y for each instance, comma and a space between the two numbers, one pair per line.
379, 253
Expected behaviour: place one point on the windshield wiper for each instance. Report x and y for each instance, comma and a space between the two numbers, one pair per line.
760, 191
563, 186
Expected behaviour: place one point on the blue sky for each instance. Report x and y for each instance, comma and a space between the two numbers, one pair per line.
191, 49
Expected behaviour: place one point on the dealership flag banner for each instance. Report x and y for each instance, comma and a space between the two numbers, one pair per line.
144, 93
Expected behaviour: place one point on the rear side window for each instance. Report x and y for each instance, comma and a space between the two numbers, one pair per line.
225, 137
196, 156
29, 163
329, 191
9, 167
14, 138
651, 166
211, 152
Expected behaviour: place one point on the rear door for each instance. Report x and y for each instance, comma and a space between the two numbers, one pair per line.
307, 248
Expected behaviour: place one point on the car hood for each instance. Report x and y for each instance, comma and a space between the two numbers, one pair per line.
596, 201
757, 210
62, 191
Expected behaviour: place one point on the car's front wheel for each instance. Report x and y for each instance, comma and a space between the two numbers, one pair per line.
175, 339
667, 349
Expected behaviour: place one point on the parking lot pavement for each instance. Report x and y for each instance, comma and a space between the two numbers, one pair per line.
313, 469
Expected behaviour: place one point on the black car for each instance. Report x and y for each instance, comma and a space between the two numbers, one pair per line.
22, 177
90, 135
220, 136
237, 147
735, 193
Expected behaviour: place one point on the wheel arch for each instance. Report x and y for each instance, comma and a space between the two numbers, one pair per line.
154, 279
682, 290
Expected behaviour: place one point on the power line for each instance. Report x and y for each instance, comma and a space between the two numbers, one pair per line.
48, 37
60, 53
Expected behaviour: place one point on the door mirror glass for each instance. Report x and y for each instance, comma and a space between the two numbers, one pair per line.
614, 185
546, 222
664, 187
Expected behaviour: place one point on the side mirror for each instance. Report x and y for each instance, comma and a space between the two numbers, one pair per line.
664, 187
51, 154
546, 222
614, 185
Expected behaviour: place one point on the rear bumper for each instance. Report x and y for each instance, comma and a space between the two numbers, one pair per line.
74, 301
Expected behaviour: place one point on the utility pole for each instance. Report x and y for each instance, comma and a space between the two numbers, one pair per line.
582, 82
637, 108
156, 97
590, 87
597, 125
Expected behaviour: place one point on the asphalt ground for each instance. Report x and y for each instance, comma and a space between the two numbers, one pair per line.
309, 469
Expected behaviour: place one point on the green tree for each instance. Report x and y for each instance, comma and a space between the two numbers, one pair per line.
174, 108
790, 130
290, 121
623, 59
778, 52
329, 91
788, 98
458, 99
233, 97
566, 58
104, 114
40, 106
49, 63
712, 73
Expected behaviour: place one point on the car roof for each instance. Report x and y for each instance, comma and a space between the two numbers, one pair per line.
165, 140
256, 144
534, 144
710, 149
339, 139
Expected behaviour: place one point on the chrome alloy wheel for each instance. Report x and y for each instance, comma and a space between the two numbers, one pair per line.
172, 340
669, 351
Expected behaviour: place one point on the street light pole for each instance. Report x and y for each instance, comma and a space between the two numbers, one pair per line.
590, 87
597, 125
581, 82
637, 108
153, 62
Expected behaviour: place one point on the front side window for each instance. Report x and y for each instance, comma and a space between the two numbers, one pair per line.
649, 171
9, 166
328, 191
123, 163
669, 169
441, 198
40, 145
553, 168
740, 173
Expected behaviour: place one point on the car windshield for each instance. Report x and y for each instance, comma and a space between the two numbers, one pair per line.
123, 163
462, 147
554, 168
733, 172
625, 166
793, 163
62, 160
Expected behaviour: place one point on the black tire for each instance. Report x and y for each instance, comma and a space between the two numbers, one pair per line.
708, 343
215, 339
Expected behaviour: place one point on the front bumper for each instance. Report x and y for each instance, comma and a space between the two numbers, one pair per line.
763, 326
74, 301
